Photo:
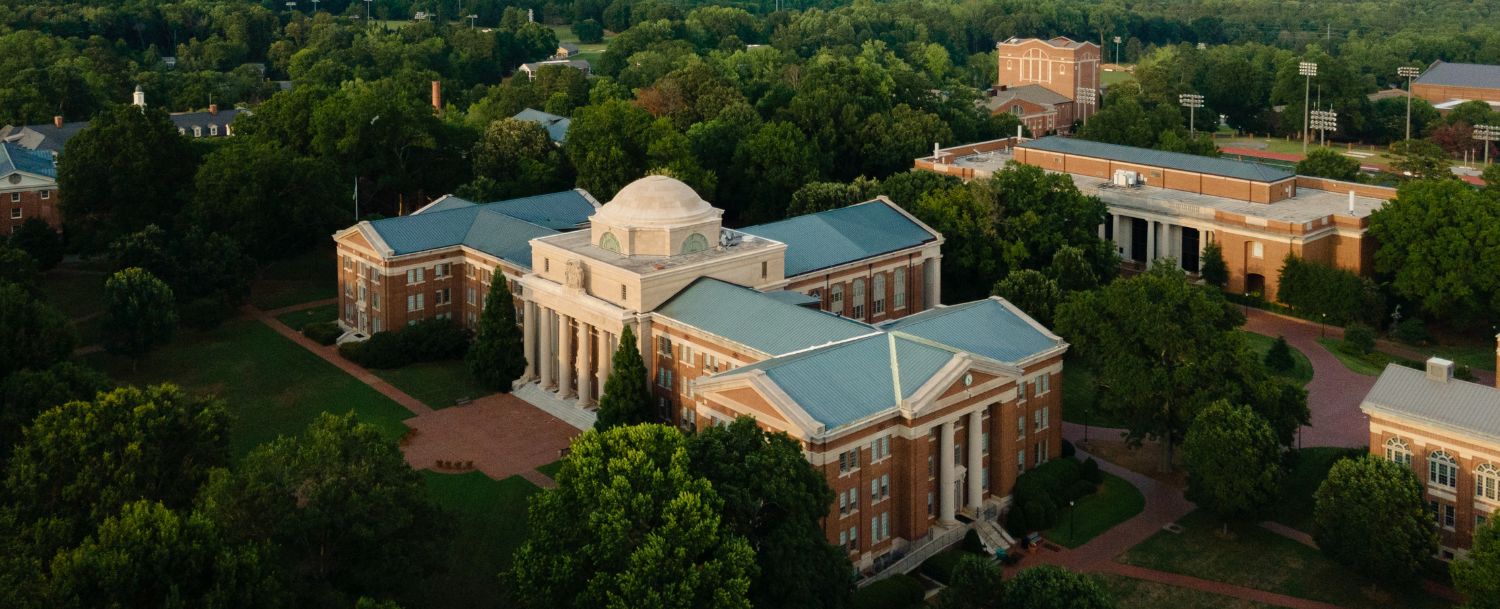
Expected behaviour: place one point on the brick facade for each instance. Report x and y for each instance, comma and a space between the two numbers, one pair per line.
37, 202
1422, 442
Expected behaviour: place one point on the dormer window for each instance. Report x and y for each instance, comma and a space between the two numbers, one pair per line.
197, 131
213, 130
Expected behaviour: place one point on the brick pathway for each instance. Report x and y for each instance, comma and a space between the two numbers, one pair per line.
1335, 392
500, 434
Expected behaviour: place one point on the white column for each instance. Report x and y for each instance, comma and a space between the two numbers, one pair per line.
606, 357
945, 475
544, 357
976, 460
1120, 235
1101, 228
1150, 243
1202, 241
528, 333
585, 356
564, 350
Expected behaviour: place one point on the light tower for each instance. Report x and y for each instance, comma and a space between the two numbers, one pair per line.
1408, 74
1086, 99
1486, 134
1324, 121
1307, 69
1191, 101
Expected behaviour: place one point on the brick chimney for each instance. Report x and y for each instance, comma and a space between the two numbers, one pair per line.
213, 109
437, 97
57, 121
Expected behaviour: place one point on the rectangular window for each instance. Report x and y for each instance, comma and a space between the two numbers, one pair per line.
1257, 250
874, 490
878, 306
929, 466
1020, 460
469, 271
885, 486
664, 346
442, 297
899, 283
843, 539
1046, 380
15, 213
1036, 418
853, 539
664, 377
930, 511
885, 525
379, 324
375, 300
471, 296
984, 477
442, 270
843, 504
1450, 516
15, 197
1020, 427
416, 275
984, 443
46, 194
858, 307
874, 529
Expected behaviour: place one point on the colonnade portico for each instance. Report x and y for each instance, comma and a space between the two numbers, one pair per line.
1163, 239
566, 354
974, 470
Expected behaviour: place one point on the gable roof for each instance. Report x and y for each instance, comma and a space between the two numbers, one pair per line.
1035, 94
754, 319
556, 126
991, 327
14, 157
839, 236
577, 64
188, 120
1228, 168
48, 137
503, 229
1442, 73
1457, 405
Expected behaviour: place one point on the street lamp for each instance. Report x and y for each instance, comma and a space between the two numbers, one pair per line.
1191, 101
1072, 520
1117, 51
1486, 134
1307, 69
1324, 121
1408, 74
1323, 329
1086, 99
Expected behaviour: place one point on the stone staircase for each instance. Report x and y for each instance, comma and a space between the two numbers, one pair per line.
548, 402
993, 535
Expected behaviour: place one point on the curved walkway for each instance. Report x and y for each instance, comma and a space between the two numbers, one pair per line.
1335, 392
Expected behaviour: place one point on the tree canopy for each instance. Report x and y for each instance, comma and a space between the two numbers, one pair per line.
1440, 242
1369, 514
1233, 461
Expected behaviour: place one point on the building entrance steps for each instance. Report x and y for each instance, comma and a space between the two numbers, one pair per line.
992, 535
566, 410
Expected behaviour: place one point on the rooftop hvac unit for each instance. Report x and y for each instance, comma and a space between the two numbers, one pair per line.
1125, 177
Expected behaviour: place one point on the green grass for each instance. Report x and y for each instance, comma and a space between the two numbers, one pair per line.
1294, 508
1116, 502
436, 384
1080, 395
75, 292
1476, 357
1294, 146
565, 34
1130, 593
491, 524
1369, 364
1301, 373
1256, 558
1114, 78
297, 320
302, 278
551, 469
271, 385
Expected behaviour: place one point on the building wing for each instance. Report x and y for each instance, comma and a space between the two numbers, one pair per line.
757, 320
1453, 404
841, 236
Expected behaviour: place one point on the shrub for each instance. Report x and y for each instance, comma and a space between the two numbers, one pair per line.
1279, 358
1080, 489
898, 591
1090, 471
1040, 494
940, 566
425, 341
324, 333
972, 543
1068, 450
1359, 339
1318, 291
1411, 331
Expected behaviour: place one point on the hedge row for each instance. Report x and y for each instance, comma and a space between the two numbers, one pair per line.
428, 340
323, 333
1317, 290
1041, 493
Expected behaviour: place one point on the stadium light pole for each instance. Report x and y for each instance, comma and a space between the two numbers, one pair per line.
1086, 99
1324, 121
1191, 101
471, 20
1307, 69
1117, 50
1486, 134
1408, 73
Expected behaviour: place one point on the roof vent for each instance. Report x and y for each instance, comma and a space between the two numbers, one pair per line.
1439, 369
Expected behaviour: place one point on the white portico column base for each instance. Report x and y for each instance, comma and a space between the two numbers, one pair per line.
976, 461
945, 475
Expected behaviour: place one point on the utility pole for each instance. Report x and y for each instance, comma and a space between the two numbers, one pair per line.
1408, 73
1308, 70
1486, 134
1191, 101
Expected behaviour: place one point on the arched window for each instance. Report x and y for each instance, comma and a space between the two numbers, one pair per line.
1487, 482
878, 284
1442, 470
608, 241
1034, 67
1397, 451
1017, 110
694, 243
836, 298
858, 306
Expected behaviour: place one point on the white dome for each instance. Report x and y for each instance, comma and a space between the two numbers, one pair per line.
656, 201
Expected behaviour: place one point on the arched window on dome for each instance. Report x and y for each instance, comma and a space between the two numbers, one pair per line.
694, 243
609, 242
1397, 451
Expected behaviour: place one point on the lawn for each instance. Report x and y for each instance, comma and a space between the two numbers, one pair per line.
1111, 79
1294, 146
1301, 373
491, 524
1079, 398
1295, 507
302, 278
75, 292
1256, 558
551, 469
271, 385
436, 384
297, 320
1116, 502
1369, 364
1131, 593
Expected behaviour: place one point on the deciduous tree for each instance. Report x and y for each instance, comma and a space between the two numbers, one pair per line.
976, 583
32, 333
1369, 515
40, 240
268, 198
516, 159
496, 356
1033, 292
127, 169
1477, 574
1233, 461
1329, 163
139, 313
27, 393
1440, 241
1049, 587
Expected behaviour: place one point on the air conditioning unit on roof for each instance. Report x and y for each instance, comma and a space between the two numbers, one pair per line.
1125, 177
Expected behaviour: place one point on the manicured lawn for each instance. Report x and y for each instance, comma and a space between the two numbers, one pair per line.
271, 385
1116, 502
1114, 78
302, 278
1080, 395
296, 320
75, 292
1476, 357
1131, 593
436, 384
491, 524
551, 469
1370, 363
1256, 558
1301, 373
1295, 506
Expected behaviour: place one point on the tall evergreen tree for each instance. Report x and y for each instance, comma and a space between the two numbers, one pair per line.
497, 355
1215, 271
627, 396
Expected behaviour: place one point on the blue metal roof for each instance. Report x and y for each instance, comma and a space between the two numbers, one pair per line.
755, 319
795, 298
1228, 168
19, 158
1476, 75
503, 229
843, 383
556, 126
840, 236
983, 327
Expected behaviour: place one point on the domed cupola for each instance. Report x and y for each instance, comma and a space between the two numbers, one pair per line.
656, 216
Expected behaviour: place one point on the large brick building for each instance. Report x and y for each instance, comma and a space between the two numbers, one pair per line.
824, 326
1448, 432
28, 187
1449, 84
1042, 82
1171, 205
